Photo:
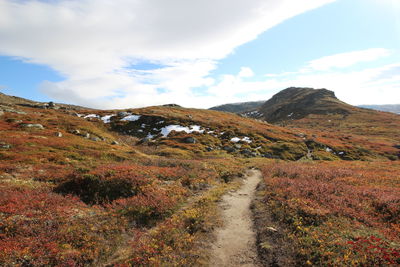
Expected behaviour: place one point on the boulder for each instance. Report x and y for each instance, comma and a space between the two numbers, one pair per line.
95, 138
229, 149
246, 152
32, 125
123, 114
58, 134
4, 145
190, 140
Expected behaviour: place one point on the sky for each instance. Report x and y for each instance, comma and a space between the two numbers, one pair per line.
123, 53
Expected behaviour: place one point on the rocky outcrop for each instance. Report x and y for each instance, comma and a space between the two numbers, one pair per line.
32, 126
296, 103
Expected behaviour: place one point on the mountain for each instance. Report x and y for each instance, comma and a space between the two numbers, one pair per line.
239, 107
296, 103
386, 108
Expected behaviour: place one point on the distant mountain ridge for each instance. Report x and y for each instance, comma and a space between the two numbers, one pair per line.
9, 100
387, 108
239, 107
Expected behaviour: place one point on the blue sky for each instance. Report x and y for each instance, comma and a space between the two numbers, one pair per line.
215, 53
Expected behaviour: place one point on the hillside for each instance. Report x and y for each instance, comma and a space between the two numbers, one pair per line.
321, 114
7, 101
141, 187
239, 107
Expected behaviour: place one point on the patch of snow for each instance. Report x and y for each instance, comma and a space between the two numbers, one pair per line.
149, 136
131, 118
91, 116
107, 118
235, 139
244, 139
140, 131
143, 125
210, 132
159, 122
328, 149
341, 153
178, 128
290, 115
196, 128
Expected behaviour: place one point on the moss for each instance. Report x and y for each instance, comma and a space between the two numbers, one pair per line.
287, 151
323, 155
175, 153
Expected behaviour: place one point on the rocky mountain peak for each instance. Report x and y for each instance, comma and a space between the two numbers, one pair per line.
298, 102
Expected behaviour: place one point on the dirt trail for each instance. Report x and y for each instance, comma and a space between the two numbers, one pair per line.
236, 240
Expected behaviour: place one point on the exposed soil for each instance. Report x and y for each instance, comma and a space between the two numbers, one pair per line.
235, 243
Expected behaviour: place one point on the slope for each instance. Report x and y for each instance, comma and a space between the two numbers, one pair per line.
320, 113
239, 107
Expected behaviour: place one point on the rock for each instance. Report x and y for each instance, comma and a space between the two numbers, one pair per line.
171, 105
87, 135
95, 138
209, 149
123, 114
273, 229
77, 132
58, 134
13, 120
238, 146
190, 140
4, 145
32, 125
269, 156
14, 111
1, 112
114, 143
229, 149
246, 152
397, 146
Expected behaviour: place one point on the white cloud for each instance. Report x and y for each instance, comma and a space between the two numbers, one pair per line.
246, 72
93, 43
371, 85
348, 59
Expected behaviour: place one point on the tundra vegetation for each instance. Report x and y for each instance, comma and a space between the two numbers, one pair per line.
104, 188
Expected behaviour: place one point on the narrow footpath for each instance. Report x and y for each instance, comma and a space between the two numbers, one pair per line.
235, 243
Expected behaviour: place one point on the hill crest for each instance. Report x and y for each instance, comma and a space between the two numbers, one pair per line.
297, 103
